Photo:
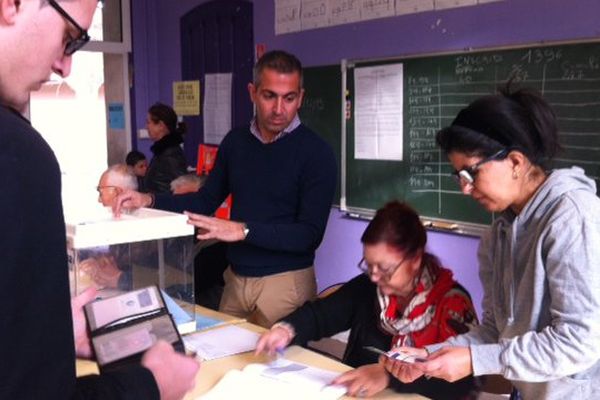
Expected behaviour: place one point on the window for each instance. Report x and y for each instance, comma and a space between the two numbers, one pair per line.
73, 113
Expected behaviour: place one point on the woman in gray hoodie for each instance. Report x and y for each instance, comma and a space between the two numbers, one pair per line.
539, 262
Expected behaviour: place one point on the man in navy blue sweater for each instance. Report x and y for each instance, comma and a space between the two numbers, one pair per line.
282, 178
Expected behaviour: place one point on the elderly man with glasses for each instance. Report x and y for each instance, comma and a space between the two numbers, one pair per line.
42, 331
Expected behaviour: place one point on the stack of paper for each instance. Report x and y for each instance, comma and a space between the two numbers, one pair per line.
221, 342
280, 380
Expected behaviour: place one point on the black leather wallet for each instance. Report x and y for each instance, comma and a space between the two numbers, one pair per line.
123, 327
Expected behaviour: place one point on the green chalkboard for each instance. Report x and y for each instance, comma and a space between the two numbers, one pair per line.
322, 107
434, 89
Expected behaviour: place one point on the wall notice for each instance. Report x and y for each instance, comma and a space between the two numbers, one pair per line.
186, 97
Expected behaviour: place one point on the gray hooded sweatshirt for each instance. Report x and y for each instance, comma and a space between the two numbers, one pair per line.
540, 272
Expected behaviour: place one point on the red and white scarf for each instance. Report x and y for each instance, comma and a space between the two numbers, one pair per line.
432, 284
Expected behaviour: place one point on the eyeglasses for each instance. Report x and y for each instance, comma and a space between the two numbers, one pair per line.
101, 188
73, 44
385, 273
469, 174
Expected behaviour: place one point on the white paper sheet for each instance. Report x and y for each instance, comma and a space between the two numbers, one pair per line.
283, 379
221, 342
217, 107
444, 4
413, 6
314, 14
378, 130
370, 9
344, 11
287, 16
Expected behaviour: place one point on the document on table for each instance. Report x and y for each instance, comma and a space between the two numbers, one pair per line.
221, 342
282, 379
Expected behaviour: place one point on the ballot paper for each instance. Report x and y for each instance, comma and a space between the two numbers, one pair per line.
221, 342
282, 379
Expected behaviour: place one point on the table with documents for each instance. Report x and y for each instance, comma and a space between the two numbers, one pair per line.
212, 371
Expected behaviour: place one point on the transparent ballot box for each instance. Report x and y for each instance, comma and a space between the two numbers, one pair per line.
141, 248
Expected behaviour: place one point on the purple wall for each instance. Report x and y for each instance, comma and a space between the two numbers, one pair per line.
504, 23
157, 55
341, 251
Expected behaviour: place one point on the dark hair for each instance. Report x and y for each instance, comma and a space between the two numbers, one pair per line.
162, 112
133, 157
521, 120
279, 61
398, 226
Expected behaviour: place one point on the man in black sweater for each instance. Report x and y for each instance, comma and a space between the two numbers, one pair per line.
41, 334
282, 179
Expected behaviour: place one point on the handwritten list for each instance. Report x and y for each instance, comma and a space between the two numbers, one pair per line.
300, 15
287, 16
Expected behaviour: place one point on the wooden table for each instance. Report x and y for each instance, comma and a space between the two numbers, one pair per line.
212, 371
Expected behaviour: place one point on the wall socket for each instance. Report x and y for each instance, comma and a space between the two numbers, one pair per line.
143, 134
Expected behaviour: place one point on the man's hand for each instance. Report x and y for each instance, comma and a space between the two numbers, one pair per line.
83, 345
103, 271
130, 199
365, 381
216, 228
175, 373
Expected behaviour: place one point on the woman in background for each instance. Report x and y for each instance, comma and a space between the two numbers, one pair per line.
403, 297
168, 161
539, 263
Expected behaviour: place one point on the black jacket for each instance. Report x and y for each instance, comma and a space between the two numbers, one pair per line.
167, 164
354, 306
37, 349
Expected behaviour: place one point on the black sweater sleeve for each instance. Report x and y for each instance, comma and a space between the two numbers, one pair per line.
330, 315
131, 383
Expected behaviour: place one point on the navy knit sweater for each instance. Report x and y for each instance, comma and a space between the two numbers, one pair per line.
282, 190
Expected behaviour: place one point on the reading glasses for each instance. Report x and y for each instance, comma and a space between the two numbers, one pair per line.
385, 273
73, 44
468, 175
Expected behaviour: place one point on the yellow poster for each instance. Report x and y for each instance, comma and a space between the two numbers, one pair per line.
186, 97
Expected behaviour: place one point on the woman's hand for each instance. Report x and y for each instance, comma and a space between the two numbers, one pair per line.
364, 381
403, 371
275, 339
448, 363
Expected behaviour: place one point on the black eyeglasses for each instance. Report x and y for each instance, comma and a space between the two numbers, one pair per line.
73, 44
385, 273
469, 174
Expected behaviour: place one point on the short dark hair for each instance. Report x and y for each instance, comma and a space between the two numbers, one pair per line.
162, 112
521, 120
133, 157
279, 61
398, 226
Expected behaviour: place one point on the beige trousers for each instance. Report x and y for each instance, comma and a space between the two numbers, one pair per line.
265, 300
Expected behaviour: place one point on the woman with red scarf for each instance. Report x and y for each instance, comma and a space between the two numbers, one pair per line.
403, 298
